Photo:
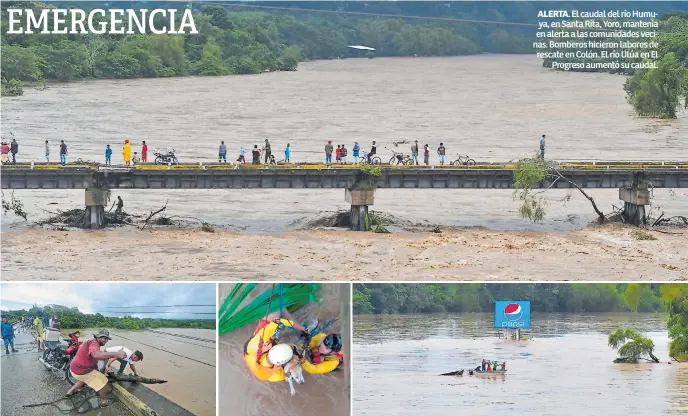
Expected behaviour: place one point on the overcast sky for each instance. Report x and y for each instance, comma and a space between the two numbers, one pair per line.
104, 297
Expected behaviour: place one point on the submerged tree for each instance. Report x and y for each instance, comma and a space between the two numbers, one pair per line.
661, 91
632, 346
537, 171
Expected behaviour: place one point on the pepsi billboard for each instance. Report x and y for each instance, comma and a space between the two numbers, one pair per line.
512, 314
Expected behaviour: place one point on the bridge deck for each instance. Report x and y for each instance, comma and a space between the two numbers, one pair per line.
484, 176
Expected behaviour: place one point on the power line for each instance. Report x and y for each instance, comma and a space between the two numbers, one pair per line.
169, 352
155, 306
185, 313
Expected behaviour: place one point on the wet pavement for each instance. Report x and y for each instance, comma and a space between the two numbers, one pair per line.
26, 381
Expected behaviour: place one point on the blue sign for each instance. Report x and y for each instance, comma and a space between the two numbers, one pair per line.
512, 314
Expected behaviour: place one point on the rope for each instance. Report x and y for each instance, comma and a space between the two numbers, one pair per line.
259, 351
169, 352
78, 403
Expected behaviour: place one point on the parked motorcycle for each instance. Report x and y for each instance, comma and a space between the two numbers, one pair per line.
163, 157
57, 358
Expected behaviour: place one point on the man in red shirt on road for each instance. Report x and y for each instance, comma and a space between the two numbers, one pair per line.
144, 152
84, 366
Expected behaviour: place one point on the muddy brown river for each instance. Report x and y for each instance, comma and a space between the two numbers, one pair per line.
566, 369
492, 107
243, 394
188, 365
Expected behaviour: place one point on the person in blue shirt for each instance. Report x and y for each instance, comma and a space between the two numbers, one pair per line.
542, 147
108, 155
355, 150
7, 335
287, 153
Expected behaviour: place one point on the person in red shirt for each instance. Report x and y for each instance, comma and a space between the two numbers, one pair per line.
338, 154
84, 366
144, 152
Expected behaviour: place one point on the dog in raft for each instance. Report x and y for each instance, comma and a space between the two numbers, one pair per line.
289, 359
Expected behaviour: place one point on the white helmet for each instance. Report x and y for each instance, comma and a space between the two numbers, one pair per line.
280, 354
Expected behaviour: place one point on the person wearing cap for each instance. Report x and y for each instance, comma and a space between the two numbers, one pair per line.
127, 152
129, 359
84, 366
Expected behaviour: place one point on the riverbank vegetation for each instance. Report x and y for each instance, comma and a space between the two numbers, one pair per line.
240, 41
399, 298
73, 318
660, 88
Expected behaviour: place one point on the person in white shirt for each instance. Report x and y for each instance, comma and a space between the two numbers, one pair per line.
129, 359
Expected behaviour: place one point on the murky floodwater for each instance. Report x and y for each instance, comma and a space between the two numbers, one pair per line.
241, 393
183, 363
493, 107
567, 369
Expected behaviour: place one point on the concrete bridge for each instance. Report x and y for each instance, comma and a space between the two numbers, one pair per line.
631, 178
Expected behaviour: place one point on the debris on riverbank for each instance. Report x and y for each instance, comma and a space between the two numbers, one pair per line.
378, 222
75, 218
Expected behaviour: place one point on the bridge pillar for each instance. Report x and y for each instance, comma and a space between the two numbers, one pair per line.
359, 201
634, 200
96, 199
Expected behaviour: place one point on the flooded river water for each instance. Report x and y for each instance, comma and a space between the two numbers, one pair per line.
242, 394
566, 369
492, 107
188, 365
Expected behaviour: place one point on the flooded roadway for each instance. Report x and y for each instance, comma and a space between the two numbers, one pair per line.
567, 369
240, 391
493, 107
26, 381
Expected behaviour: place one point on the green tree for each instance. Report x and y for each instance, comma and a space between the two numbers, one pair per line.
64, 61
661, 91
20, 63
632, 346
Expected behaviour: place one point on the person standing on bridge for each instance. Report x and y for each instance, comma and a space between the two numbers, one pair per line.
129, 359
344, 152
268, 151
442, 151
356, 149
373, 150
63, 153
542, 147
242, 157
47, 152
144, 152
256, 155
5, 151
38, 324
338, 154
84, 366
108, 155
14, 147
126, 153
7, 333
414, 152
222, 152
328, 151
426, 154
287, 154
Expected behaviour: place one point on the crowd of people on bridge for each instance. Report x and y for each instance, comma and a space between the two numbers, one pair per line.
262, 155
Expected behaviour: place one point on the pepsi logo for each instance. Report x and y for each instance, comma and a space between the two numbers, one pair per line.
513, 312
